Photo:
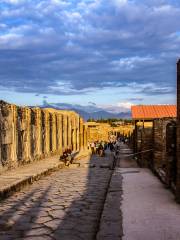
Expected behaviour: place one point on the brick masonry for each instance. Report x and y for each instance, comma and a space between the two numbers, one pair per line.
143, 141
164, 154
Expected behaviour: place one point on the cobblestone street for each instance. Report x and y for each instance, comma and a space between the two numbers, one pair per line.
65, 205
91, 201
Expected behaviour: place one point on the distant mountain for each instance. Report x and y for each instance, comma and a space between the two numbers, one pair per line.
105, 114
87, 111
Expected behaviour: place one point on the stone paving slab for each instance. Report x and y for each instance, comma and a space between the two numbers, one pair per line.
66, 205
125, 158
13, 180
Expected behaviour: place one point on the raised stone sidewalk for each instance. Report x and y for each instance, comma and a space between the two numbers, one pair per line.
15, 179
149, 210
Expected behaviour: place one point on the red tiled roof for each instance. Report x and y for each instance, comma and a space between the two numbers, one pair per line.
153, 111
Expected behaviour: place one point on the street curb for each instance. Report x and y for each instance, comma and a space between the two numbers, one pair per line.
30, 178
21, 183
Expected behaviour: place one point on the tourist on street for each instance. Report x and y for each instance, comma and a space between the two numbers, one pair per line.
101, 150
92, 147
97, 147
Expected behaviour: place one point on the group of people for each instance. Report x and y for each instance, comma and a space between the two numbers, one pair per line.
98, 147
114, 146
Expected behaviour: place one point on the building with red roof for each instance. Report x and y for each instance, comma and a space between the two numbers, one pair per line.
150, 112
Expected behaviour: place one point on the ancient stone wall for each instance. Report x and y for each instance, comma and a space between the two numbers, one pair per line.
159, 145
29, 134
147, 144
163, 138
143, 143
164, 154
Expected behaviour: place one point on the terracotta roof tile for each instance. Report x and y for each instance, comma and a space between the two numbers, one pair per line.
153, 111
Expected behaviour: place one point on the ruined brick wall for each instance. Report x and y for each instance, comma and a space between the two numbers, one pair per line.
143, 143
28, 134
164, 154
159, 146
178, 133
147, 144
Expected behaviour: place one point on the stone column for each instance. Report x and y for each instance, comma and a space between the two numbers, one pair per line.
81, 133
37, 132
23, 135
74, 136
53, 132
85, 136
59, 134
178, 133
14, 137
65, 119
7, 135
77, 133
69, 131
46, 132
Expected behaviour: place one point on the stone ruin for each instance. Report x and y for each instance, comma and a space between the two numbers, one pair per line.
105, 132
29, 134
163, 137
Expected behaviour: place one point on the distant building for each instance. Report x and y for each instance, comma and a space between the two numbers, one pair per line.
105, 132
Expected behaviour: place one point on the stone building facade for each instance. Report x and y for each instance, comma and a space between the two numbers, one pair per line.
143, 143
28, 134
165, 140
164, 150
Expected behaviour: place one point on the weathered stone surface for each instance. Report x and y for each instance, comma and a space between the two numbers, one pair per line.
28, 134
65, 205
8, 141
105, 132
164, 150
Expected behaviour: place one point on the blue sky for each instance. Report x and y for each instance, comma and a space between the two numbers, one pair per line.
112, 53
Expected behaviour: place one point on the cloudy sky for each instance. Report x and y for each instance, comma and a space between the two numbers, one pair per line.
112, 53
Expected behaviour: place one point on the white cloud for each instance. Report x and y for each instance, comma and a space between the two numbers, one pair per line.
89, 6
131, 62
13, 1
150, 88
120, 3
163, 9
117, 107
10, 40
2, 25
91, 44
126, 105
